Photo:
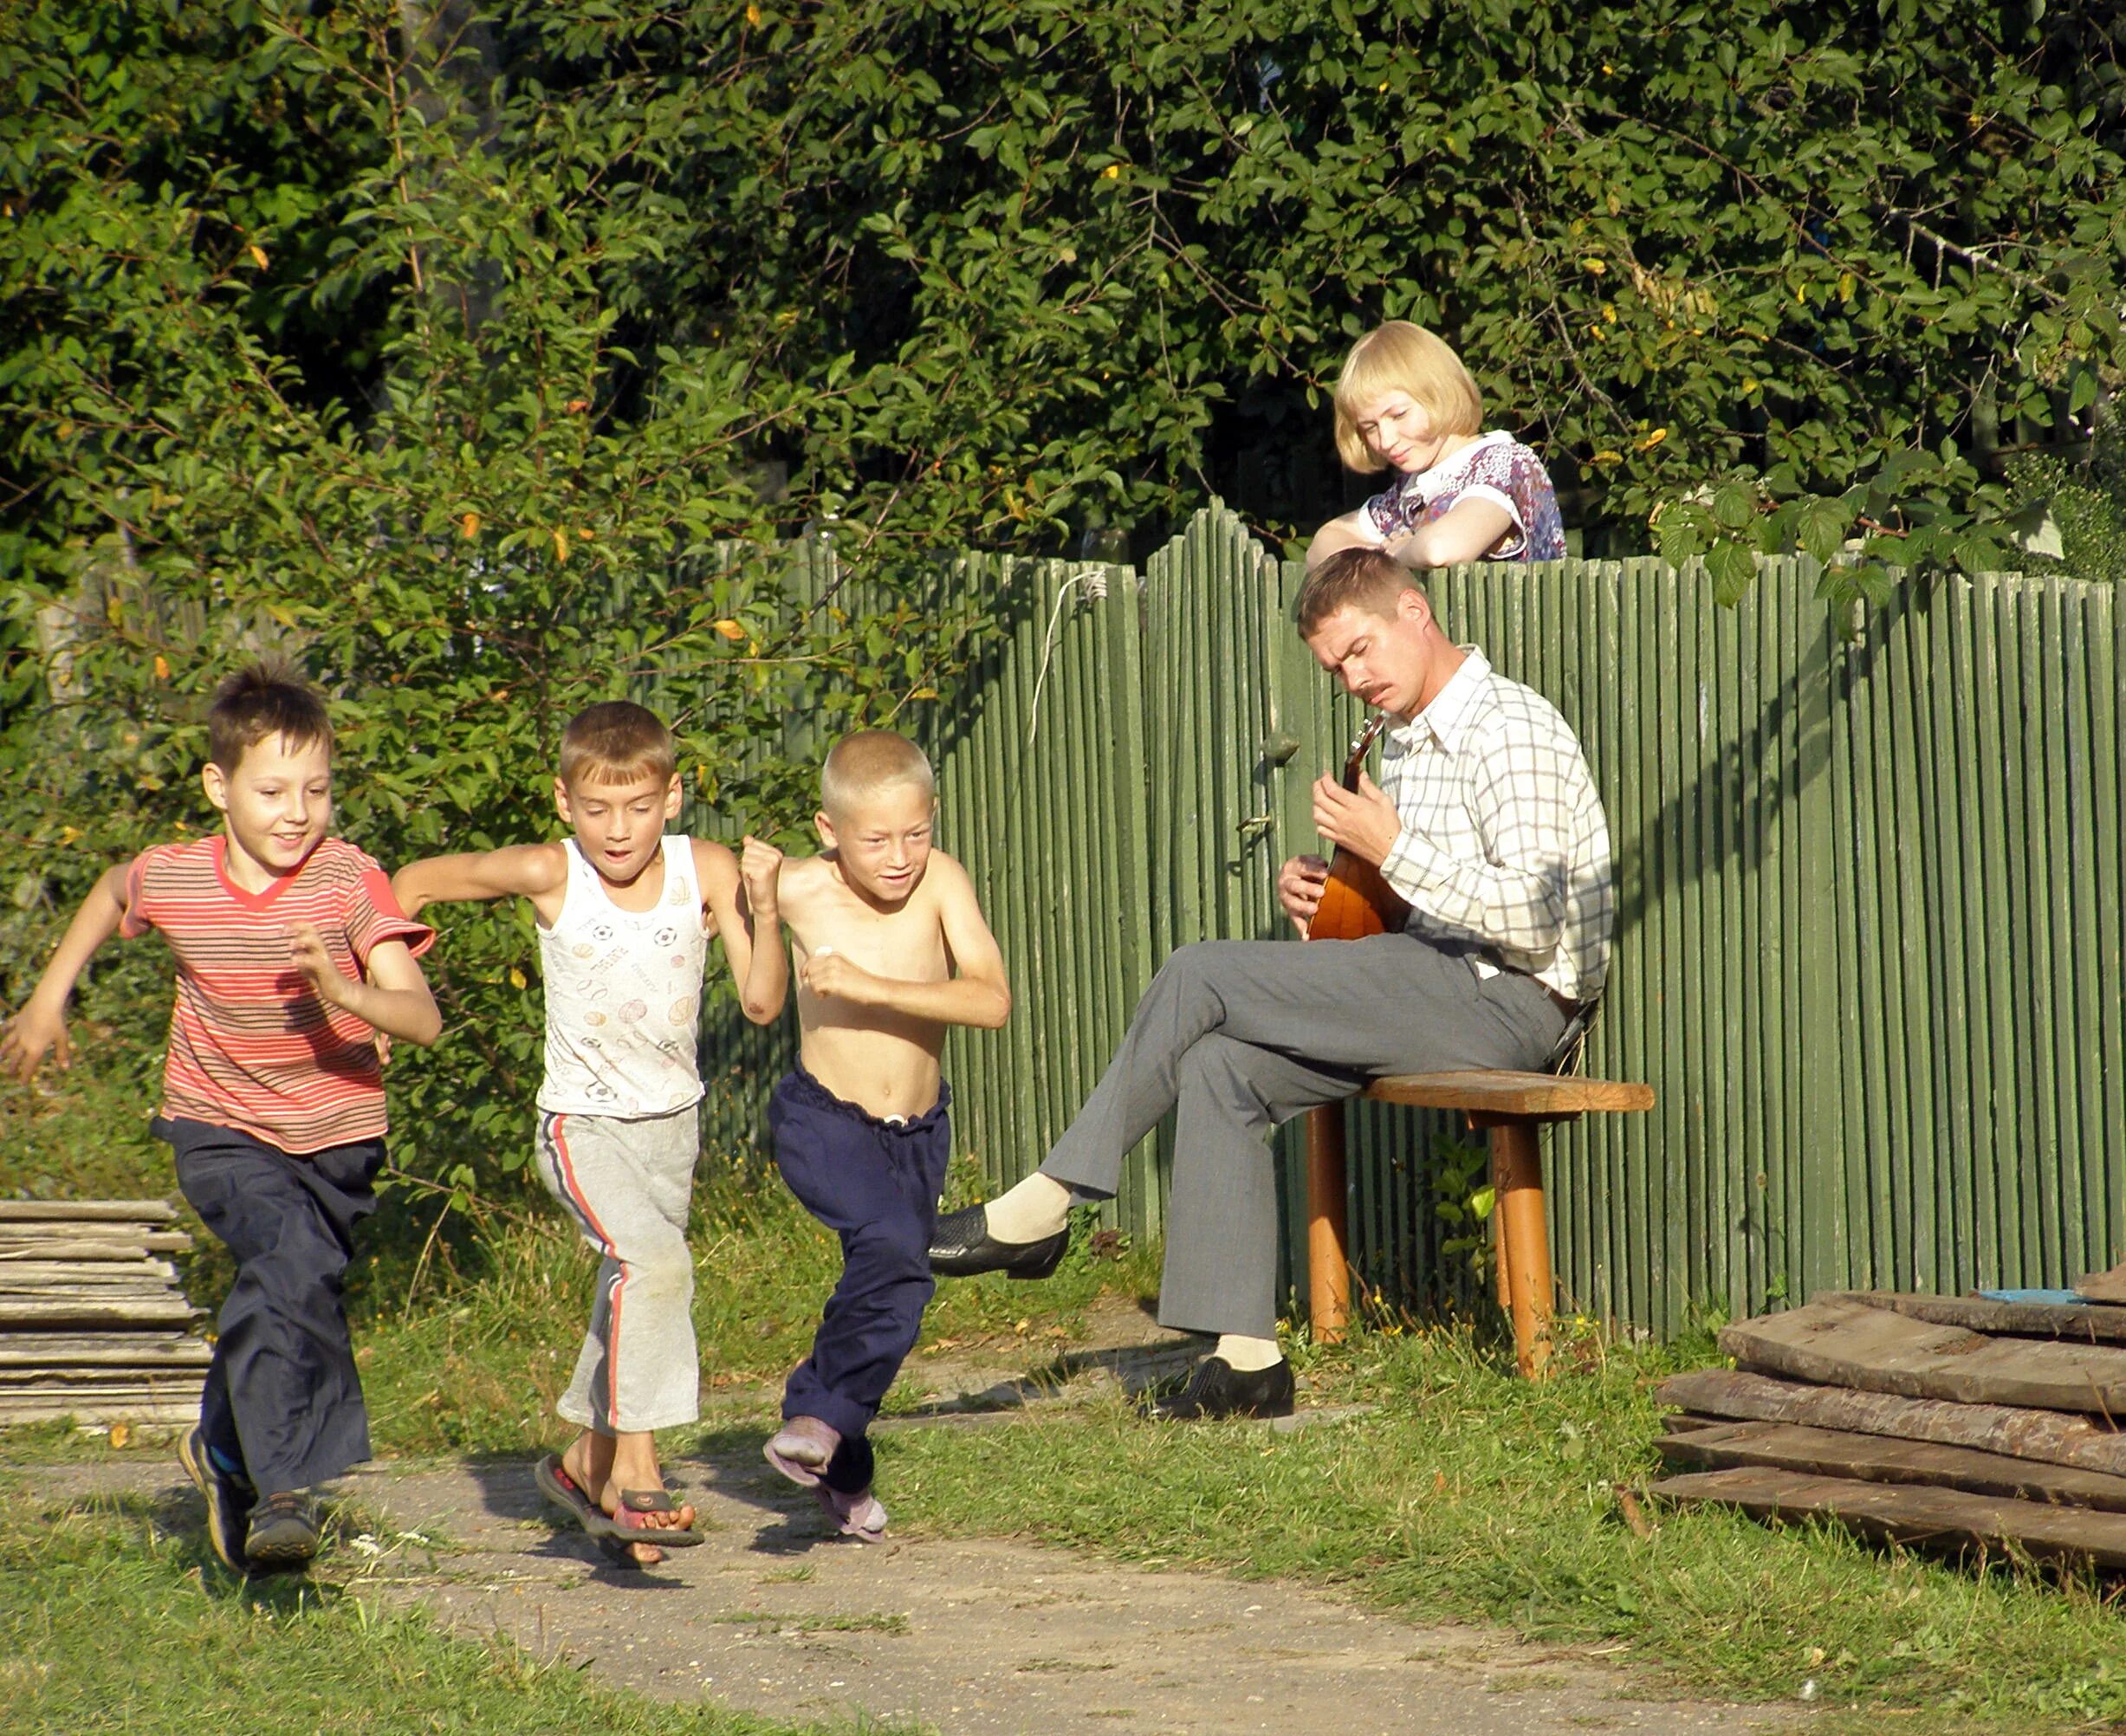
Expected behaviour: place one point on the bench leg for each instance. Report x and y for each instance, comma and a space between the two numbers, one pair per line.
1328, 1264
1524, 1239
1498, 1236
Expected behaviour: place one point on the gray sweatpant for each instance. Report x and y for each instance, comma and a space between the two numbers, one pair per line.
626, 1183
1237, 1036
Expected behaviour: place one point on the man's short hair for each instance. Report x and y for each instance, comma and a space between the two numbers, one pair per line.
1400, 357
269, 697
862, 765
1352, 579
617, 741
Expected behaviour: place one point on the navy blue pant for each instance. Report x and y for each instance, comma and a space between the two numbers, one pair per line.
875, 1184
282, 1398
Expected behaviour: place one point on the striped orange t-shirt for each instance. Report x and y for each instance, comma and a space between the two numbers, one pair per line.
251, 1045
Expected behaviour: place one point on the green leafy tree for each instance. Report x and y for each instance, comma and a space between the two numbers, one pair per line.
498, 356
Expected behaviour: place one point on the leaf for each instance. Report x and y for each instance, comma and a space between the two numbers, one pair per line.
1732, 566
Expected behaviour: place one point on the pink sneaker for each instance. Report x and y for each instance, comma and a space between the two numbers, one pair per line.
862, 1517
802, 1449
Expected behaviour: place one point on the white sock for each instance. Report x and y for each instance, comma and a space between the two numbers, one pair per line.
1248, 1356
1038, 1207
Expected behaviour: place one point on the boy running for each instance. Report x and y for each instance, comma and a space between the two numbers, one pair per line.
625, 915
292, 955
891, 948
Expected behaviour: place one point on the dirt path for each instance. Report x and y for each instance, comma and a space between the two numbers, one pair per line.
774, 1614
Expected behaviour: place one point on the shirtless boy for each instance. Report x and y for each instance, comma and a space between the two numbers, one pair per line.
889, 947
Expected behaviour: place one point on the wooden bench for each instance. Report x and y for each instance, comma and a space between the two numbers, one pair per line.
1510, 1107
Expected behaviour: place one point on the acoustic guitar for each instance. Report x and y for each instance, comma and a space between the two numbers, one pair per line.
1357, 902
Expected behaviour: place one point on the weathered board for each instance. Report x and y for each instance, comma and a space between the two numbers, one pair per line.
1875, 1350
1925, 1517
2104, 1286
87, 1211
2092, 1323
1878, 1459
2052, 1437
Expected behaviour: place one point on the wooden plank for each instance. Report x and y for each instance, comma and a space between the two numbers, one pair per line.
73, 1249
143, 1409
2091, 1323
1843, 1343
1925, 1517
167, 1309
92, 1211
143, 1339
185, 1354
1509, 1093
20, 1383
2104, 1286
2053, 1437
18, 1273
1878, 1459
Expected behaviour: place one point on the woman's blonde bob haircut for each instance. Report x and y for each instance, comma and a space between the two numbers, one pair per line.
1400, 357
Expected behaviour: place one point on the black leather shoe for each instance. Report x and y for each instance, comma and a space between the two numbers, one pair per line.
1217, 1389
961, 1245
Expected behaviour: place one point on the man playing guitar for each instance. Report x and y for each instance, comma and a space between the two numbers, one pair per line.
1487, 825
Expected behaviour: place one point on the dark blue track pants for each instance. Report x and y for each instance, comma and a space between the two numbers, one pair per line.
282, 1399
875, 1184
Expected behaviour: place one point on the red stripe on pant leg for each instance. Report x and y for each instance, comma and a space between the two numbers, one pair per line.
565, 1172
613, 1351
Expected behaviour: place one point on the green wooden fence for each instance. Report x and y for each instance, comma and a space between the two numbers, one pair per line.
1870, 881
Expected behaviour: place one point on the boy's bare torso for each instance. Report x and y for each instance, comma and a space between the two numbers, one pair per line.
884, 1060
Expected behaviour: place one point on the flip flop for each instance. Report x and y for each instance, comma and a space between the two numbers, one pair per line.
651, 1501
611, 1534
566, 1493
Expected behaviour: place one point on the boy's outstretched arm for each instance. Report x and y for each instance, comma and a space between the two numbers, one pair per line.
42, 1024
977, 993
742, 892
395, 998
538, 871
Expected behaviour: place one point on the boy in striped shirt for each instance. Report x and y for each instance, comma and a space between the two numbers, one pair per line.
292, 955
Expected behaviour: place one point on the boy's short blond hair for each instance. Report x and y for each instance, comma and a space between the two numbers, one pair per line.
862, 765
269, 697
617, 741
1400, 357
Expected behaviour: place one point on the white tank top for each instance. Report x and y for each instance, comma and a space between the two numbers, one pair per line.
624, 994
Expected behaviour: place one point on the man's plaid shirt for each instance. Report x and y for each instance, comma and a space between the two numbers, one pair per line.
1504, 844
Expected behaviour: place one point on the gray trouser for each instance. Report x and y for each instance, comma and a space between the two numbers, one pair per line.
627, 1181
1237, 1036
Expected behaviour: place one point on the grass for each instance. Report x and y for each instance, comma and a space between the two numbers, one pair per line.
109, 1622
1465, 1493
1459, 1492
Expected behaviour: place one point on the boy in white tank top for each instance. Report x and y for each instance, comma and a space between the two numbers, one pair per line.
625, 915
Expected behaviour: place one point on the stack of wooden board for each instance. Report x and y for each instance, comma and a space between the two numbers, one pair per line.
92, 1325
1945, 1422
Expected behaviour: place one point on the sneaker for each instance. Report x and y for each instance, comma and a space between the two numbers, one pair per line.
229, 1500
284, 1533
860, 1516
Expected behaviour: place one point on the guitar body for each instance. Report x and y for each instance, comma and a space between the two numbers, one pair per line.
1357, 902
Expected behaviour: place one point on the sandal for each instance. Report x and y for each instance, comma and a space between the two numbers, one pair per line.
650, 1501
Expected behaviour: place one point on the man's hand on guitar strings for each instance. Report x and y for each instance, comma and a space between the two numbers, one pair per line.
1298, 889
1363, 822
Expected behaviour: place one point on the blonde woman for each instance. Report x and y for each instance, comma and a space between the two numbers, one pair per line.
1405, 404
